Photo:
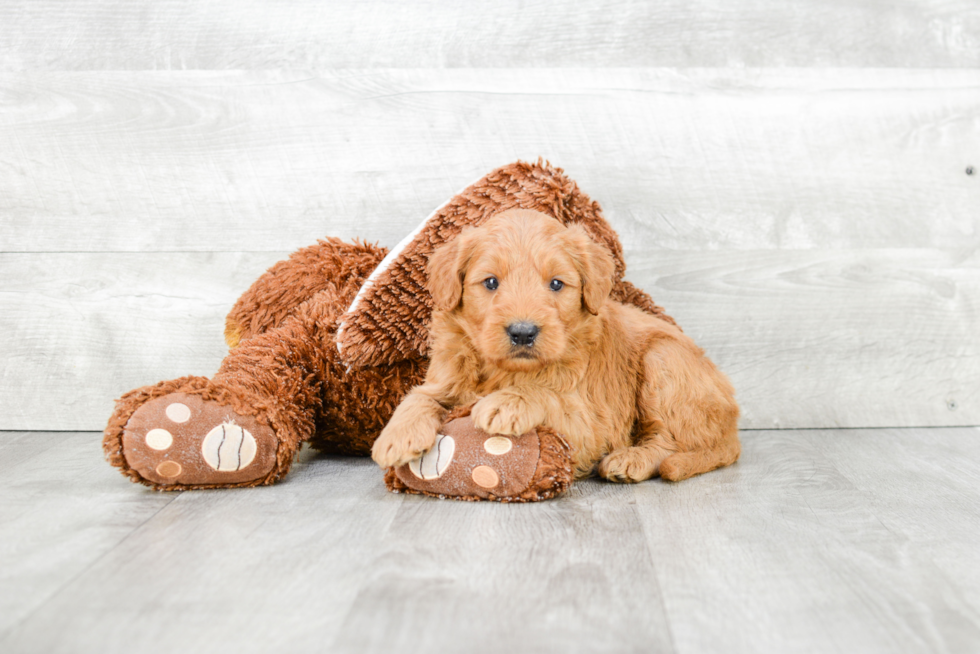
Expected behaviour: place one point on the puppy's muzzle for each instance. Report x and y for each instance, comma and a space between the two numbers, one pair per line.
522, 333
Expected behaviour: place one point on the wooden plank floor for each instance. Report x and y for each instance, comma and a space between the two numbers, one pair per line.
817, 540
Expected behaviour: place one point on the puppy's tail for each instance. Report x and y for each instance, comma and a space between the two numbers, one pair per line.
687, 464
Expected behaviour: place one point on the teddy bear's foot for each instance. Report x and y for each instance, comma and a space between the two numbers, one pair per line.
182, 440
467, 463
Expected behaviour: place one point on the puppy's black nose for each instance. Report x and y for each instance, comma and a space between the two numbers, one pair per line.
522, 333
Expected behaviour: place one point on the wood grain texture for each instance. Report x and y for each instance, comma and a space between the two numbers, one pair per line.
817, 540
59, 514
922, 488
545, 577
691, 159
832, 338
219, 571
82, 329
181, 34
828, 338
788, 180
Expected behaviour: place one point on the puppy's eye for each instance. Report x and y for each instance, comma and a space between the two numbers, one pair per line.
491, 283
557, 284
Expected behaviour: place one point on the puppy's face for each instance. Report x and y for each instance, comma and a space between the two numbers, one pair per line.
522, 287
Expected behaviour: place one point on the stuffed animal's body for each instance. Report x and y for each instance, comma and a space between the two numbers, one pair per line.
283, 373
306, 366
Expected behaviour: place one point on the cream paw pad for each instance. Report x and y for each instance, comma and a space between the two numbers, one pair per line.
182, 439
468, 463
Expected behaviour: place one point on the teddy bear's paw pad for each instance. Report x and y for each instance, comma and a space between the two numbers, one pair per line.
182, 439
469, 462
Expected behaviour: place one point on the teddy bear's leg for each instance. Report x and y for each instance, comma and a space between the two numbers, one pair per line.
357, 403
192, 433
331, 266
243, 427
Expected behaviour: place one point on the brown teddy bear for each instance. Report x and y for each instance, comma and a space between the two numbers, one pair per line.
323, 347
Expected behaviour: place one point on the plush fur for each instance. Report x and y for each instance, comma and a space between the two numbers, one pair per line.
629, 390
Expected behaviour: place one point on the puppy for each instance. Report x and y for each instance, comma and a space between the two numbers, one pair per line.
523, 323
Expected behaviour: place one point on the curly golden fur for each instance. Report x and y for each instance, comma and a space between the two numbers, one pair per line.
524, 326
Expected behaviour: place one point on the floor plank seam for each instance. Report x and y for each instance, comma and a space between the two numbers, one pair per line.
68, 582
656, 573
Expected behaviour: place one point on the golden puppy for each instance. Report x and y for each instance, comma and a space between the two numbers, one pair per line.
524, 324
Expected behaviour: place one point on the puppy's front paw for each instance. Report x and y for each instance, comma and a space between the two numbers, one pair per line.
628, 465
402, 442
505, 413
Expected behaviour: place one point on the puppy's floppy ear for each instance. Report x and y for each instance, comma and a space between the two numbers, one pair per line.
595, 266
447, 270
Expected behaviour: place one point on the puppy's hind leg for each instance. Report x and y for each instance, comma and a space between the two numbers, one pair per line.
682, 465
688, 418
638, 462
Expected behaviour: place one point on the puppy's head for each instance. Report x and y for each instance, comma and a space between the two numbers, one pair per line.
523, 288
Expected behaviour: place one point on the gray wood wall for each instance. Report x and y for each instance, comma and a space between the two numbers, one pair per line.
789, 179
